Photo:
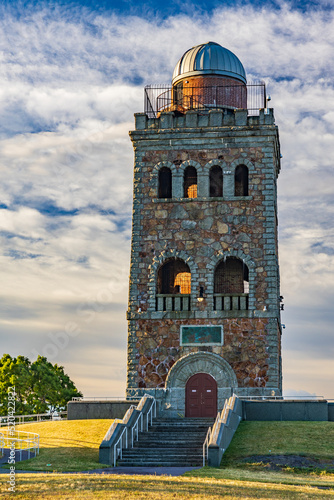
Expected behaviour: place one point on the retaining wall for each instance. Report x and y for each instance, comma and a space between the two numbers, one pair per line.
81, 410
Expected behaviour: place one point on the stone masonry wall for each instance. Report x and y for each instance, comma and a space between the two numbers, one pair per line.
203, 231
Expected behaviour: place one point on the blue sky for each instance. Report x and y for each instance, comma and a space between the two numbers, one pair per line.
72, 75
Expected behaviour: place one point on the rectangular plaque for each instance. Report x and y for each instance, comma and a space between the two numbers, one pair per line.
201, 335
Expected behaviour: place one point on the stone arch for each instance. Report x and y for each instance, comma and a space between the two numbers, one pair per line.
242, 161
190, 163
155, 173
213, 163
160, 259
207, 169
214, 261
201, 362
200, 177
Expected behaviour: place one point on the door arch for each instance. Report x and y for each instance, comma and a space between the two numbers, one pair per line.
201, 396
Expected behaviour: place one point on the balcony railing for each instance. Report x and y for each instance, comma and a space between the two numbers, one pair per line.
179, 302
159, 98
230, 302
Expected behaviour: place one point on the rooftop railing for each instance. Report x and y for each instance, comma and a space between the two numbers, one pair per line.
158, 98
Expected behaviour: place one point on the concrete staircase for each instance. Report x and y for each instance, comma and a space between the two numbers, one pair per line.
169, 442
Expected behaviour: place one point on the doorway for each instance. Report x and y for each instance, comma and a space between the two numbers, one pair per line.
201, 396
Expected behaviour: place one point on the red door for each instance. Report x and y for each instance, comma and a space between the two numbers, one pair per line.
201, 396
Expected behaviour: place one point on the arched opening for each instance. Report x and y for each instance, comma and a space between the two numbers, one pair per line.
216, 182
190, 182
241, 181
201, 396
174, 286
165, 183
231, 285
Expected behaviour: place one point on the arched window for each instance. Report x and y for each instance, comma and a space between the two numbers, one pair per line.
174, 277
231, 276
241, 181
216, 182
190, 182
165, 183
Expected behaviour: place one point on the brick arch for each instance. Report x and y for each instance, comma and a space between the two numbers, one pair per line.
158, 261
201, 362
216, 259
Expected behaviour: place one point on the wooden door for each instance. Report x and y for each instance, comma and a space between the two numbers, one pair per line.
201, 396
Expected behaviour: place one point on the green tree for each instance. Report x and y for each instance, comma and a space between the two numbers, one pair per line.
40, 386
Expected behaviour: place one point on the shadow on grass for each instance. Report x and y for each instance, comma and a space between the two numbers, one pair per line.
62, 459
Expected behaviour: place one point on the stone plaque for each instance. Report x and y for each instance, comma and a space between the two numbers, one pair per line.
201, 335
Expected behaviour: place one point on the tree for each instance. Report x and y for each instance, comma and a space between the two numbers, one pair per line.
40, 386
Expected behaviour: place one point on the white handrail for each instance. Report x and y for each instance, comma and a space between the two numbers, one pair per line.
29, 441
206, 446
36, 417
134, 427
121, 447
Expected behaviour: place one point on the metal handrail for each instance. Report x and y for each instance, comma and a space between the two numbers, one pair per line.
31, 442
118, 446
283, 398
136, 428
103, 398
206, 445
121, 448
37, 417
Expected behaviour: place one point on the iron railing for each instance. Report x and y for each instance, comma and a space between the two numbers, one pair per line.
161, 97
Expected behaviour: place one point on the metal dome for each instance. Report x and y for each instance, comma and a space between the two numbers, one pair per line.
209, 59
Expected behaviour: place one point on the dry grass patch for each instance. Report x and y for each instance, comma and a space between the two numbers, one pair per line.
119, 487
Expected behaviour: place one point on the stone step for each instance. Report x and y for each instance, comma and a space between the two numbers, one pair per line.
169, 442
147, 463
161, 451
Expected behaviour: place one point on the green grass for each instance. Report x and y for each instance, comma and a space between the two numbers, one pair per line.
73, 445
66, 445
122, 487
315, 439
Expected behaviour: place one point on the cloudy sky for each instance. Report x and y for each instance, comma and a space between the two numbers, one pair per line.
72, 75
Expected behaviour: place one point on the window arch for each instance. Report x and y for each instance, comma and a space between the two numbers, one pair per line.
174, 277
165, 183
231, 276
190, 182
216, 181
241, 181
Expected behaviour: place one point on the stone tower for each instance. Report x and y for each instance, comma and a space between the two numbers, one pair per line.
204, 300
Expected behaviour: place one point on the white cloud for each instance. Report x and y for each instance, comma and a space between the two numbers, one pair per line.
70, 86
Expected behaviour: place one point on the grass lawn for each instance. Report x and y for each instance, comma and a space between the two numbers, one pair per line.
66, 445
119, 487
314, 439
73, 446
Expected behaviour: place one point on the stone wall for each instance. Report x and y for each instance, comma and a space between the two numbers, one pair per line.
202, 232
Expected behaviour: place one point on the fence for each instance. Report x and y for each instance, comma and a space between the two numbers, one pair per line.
19, 443
36, 417
159, 98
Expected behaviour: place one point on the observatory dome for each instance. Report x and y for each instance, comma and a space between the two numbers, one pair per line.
209, 59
